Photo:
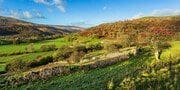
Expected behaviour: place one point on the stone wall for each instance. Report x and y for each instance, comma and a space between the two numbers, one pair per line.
47, 72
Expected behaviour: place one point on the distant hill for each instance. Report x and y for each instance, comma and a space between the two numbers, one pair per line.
10, 27
139, 26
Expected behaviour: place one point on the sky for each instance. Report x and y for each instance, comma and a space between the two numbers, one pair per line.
86, 13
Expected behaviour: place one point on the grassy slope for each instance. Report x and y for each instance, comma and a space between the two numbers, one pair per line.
98, 78
30, 56
26, 57
15, 48
174, 51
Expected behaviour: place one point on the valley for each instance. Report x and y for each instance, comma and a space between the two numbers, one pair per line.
134, 54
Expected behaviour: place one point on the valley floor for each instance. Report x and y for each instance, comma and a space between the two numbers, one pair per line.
103, 78
141, 66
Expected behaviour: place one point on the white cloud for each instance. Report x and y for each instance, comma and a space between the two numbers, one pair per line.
158, 12
81, 24
104, 8
14, 14
42, 1
27, 15
165, 12
59, 4
61, 8
139, 15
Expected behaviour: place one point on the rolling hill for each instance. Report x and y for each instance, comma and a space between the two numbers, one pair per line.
10, 27
135, 27
95, 58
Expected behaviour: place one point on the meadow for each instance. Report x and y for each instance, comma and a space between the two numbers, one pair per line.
100, 77
30, 56
20, 48
104, 78
96, 79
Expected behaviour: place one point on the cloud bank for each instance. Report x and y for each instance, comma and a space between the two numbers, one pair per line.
158, 12
59, 4
25, 14
81, 24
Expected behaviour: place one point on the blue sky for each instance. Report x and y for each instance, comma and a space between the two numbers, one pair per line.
86, 13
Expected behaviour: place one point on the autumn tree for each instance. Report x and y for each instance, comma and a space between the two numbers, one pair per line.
158, 39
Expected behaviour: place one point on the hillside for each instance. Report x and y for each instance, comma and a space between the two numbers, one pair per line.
147, 73
15, 28
107, 56
136, 28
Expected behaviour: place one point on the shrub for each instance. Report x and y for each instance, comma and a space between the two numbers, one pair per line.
15, 53
16, 41
80, 48
5, 42
3, 54
16, 65
94, 47
76, 56
41, 61
165, 46
30, 48
144, 49
63, 53
112, 46
48, 48
71, 38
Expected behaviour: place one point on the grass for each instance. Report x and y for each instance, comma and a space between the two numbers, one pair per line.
30, 56
86, 40
2, 67
94, 54
93, 79
99, 78
25, 57
21, 47
173, 51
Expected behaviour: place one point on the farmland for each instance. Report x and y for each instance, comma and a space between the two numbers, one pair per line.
122, 55
29, 56
20, 48
8, 49
100, 77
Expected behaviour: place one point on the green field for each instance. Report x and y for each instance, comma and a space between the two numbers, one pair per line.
94, 79
29, 56
173, 52
20, 48
32, 56
99, 78
92, 49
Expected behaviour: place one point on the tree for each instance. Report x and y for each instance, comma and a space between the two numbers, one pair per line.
158, 39
30, 48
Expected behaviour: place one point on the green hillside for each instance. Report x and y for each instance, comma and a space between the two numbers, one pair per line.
134, 54
101, 77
